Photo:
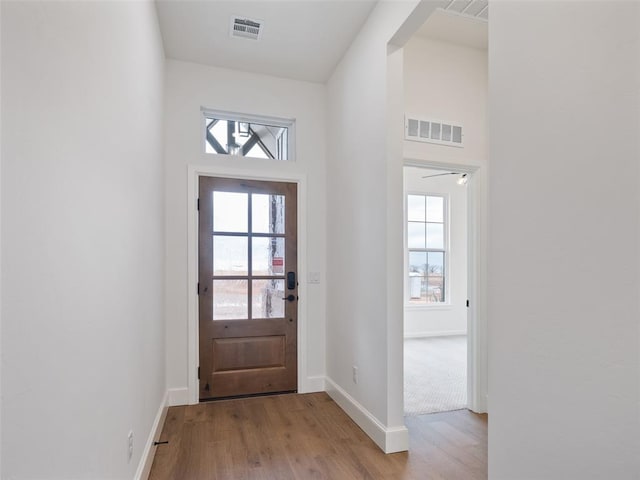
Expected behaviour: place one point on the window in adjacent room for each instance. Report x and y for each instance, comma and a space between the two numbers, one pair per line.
426, 244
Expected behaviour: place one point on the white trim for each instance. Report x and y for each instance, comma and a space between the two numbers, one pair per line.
476, 347
445, 166
429, 307
289, 123
390, 440
397, 439
178, 396
444, 333
146, 460
265, 174
315, 384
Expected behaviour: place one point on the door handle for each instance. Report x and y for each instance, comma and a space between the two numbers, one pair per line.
290, 298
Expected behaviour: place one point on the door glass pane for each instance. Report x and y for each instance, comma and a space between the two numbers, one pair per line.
417, 263
230, 255
267, 301
416, 235
230, 299
267, 256
267, 213
415, 208
230, 212
435, 235
435, 209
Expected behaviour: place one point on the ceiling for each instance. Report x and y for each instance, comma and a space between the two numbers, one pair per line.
302, 39
454, 27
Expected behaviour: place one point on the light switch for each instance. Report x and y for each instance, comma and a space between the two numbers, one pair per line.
314, 277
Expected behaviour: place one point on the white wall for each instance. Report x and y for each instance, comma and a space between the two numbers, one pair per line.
449, 318
565, 240
444, 81
1, 358
364, 228
188, 88
82, 237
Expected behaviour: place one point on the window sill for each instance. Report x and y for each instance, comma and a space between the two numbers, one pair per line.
443, 306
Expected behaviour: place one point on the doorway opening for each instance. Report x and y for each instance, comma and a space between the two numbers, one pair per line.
438, 68
435, 290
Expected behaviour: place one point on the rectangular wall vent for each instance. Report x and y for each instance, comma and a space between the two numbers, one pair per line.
243, 27
433, 131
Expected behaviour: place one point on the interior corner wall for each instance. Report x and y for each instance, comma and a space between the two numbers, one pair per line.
565, 240
1, 361
358, 322
189, 87
82, 237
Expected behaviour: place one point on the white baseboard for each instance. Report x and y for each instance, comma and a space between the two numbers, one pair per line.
314, 384
444, 333
390, 440
178, 396
144, 467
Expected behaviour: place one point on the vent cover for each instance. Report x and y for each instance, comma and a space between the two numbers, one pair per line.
243, 27
433, 131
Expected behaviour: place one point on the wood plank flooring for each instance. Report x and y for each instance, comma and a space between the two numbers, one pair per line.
309, 437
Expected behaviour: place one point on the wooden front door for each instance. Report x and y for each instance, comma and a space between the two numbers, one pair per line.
248, 287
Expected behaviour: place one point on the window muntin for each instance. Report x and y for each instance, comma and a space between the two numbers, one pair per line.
248, 240
248, 136
426, 247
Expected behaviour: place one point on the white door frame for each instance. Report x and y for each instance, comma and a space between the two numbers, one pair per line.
264, 174
476, 326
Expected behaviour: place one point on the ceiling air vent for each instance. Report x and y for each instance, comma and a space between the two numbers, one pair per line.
433, 131
243, 27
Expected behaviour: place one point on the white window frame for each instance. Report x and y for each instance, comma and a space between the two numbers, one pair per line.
446, 305
289, 123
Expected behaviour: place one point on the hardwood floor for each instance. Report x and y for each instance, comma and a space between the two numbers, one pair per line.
310, 437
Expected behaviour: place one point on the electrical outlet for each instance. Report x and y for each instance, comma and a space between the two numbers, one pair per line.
355, 374
130, 450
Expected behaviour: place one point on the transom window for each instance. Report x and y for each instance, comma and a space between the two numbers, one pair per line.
426, 246
248, 136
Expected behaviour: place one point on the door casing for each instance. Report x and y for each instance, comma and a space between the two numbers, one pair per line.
193, 176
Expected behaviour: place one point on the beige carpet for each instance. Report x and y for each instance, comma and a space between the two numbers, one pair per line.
435, 374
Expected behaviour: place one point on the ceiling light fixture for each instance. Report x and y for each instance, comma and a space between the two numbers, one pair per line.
463, 179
